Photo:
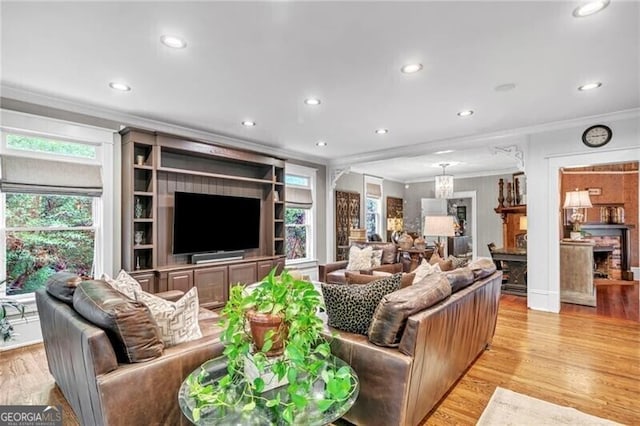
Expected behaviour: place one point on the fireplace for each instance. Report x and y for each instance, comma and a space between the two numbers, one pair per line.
615, 236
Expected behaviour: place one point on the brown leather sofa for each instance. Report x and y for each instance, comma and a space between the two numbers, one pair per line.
400, 386
335, 272
101, 391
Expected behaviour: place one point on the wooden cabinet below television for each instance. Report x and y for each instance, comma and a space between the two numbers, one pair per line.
212, 286
244, 273
147, 281
180, 280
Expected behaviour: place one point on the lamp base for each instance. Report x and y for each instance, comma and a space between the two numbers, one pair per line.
575, 235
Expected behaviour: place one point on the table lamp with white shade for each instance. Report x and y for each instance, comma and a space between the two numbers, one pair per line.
439, 226
577, 201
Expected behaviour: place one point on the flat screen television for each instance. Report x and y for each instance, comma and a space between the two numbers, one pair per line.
211, 223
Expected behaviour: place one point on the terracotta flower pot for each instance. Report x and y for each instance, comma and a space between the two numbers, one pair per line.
260, 324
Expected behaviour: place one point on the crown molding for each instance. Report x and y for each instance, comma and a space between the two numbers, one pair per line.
125, 119
500, 172
514, 136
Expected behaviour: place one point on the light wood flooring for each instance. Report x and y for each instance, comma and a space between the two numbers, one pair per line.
577, 359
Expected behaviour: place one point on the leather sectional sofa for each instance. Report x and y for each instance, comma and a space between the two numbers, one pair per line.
335, 272
103, 391
400, 386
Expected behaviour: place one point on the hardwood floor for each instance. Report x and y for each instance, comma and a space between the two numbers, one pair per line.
576, 359
614, 299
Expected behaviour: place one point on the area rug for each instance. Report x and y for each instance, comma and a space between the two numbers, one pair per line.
510, 408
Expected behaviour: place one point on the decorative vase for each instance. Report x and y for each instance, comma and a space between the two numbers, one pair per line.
420, 243
138, 208
405, 241
260, 324
138, 237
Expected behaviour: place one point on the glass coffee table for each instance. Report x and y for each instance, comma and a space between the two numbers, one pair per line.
261, 415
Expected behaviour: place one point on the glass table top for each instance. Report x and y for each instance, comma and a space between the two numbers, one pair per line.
216, 368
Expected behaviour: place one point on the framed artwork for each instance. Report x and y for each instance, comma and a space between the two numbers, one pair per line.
519, 188
595, 191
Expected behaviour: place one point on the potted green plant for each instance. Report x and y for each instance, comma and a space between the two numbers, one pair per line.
6, 329
304, 361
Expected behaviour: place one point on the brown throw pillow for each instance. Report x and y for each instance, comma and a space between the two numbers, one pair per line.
62, 285
389, 253
393, 310
460, 278
129, 324
482, 267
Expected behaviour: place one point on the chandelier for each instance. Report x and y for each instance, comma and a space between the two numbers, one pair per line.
444, 184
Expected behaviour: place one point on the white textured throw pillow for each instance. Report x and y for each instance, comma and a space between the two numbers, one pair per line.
376, 258
359, 259
177, 321
423, 270
124, 283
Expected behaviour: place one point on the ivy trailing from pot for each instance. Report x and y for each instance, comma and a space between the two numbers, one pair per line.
273, 338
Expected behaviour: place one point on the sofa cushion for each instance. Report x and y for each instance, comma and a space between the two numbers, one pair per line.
359, 278
350, 307
482, 267
391, 314
424, 269
460, 278
359, 258
128, 323
445, 265
389, 253
177, 321
124, 283
62, 285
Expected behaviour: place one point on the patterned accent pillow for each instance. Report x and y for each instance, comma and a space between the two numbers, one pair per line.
458, 262
424, 270
351, 307
124, 283
359, 258
376, 258
445, 265
177, 321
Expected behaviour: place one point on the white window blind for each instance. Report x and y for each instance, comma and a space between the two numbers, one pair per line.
299, 198
35, 175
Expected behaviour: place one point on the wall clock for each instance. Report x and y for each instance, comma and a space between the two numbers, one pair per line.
597, 136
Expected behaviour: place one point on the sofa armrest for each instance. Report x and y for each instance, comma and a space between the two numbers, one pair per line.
171, 295
393, 268
327, 268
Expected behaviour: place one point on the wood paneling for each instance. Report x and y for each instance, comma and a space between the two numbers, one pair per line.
264, 268
180, 280
147, 281
212, 286
575, 359
245, 273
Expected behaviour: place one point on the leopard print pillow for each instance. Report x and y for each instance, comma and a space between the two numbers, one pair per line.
351, 307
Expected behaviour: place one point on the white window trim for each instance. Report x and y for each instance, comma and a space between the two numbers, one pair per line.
297, 170
383, 226
103, 139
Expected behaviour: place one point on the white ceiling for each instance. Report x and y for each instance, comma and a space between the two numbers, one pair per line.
260, 61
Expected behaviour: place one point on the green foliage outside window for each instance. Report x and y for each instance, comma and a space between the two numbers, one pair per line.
371, 216
70, 149
296, 233
33, 255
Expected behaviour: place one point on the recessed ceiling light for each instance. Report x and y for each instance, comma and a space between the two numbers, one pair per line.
465, 113
174, 42
446, 151
590, 86
248, 123
411, 68
321, 143
312, 101
119, 86
505, 87
382, 131
590, 8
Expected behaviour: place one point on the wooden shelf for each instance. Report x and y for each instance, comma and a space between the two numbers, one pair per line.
279, 220
143, 220
213, 175
522, 208
143, 193
143, 247
143, 167
278, 239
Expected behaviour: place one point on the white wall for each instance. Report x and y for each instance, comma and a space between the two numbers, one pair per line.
546, 152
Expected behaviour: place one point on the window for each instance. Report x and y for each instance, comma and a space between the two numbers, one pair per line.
373, 206
56, 201
46, 234
299, 213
